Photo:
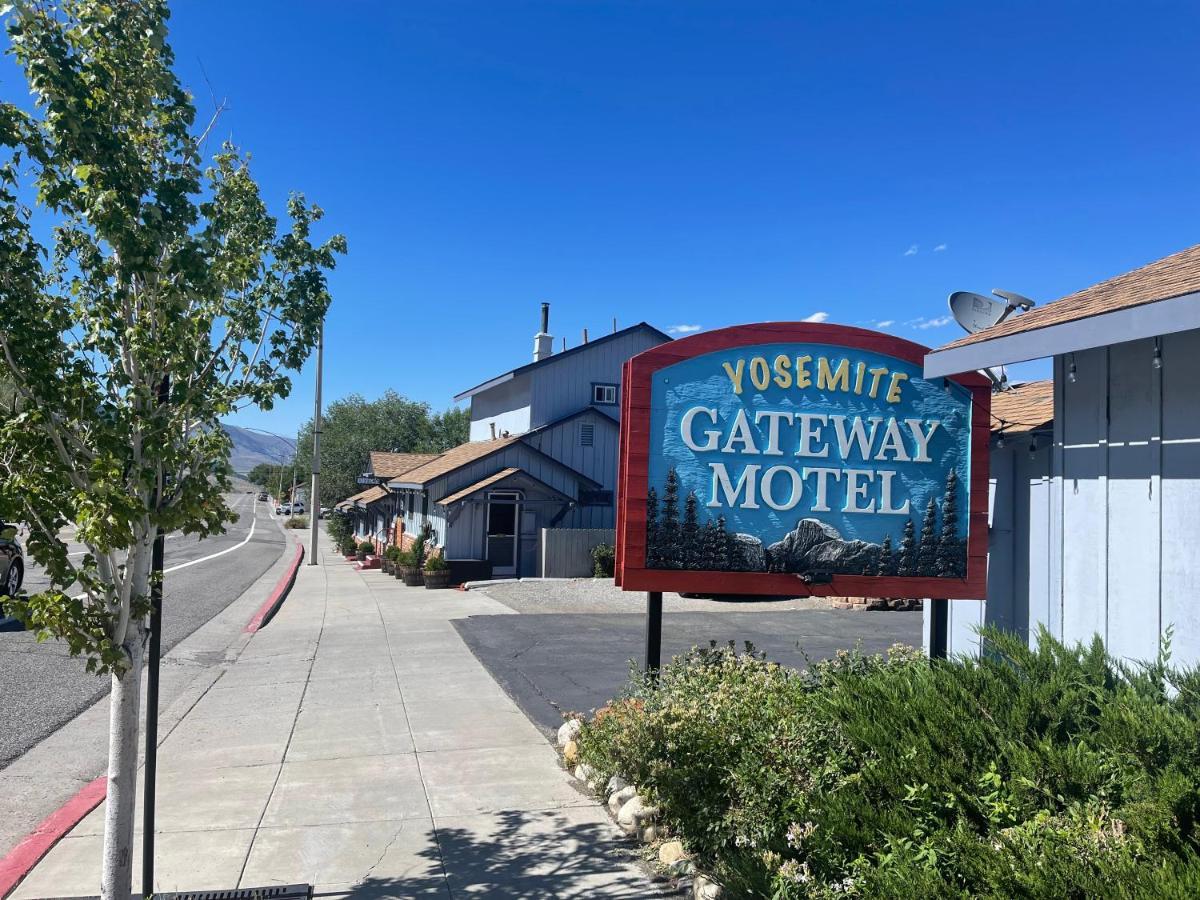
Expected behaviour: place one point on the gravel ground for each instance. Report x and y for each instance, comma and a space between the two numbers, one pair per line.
600, 595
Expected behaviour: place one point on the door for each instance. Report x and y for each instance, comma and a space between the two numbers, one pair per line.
503, 512
528, 558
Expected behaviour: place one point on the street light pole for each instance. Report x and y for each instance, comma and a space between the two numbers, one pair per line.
314, 500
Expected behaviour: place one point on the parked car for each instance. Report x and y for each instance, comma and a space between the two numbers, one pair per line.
12, 562
298, 507
286, 509
262, 495
323, 512
278, 509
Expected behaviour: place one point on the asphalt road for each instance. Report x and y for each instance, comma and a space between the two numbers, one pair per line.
575, 662
42, 686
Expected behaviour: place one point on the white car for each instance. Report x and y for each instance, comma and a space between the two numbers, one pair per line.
298, 508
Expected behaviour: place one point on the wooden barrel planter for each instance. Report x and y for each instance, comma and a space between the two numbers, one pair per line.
413, 577
437, 579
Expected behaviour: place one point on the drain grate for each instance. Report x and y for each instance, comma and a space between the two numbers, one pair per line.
276, 892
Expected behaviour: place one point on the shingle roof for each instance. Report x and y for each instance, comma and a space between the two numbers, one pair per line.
369, 495
389, 465
497, 478
555, 357
455, 458
1027, 407
1171, 276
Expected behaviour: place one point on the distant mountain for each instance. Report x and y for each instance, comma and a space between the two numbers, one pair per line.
251, 448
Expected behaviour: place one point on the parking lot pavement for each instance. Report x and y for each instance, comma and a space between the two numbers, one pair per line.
575, 662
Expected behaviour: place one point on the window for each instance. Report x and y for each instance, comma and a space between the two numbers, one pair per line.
595, 498
604, 394
587, 434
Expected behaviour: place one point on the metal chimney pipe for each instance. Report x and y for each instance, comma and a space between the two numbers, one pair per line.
585, 335
545, 318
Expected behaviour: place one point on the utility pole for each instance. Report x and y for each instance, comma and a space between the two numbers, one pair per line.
314, 499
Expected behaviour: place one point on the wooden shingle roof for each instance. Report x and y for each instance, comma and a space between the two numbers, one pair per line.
1027, 407
1171, 276
369, 495
389, 465
455, 458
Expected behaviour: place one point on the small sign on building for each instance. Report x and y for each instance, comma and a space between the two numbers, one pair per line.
797, 458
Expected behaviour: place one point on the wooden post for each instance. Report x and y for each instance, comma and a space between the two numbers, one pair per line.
939, 629
653, 632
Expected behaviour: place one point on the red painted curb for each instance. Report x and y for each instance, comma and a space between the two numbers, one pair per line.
268, 609
22, 858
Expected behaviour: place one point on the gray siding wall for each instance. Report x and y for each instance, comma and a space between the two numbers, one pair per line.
598, 462
561, 388
464, 538
1111, 533
506, 405
567, 552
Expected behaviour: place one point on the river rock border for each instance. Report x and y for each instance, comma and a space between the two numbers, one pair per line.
635, 816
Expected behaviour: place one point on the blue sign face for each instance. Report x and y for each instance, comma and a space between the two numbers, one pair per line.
807, 458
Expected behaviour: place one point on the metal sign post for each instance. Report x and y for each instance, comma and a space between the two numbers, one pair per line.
653, 632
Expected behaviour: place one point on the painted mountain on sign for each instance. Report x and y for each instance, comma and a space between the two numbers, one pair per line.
814, 546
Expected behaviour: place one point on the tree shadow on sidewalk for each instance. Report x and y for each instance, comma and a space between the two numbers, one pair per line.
521, 854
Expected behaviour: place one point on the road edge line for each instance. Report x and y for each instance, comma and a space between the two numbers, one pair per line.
22, 858
267, 611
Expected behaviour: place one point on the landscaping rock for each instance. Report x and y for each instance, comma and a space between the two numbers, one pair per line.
704, 889
584, 772
569, 731
616, 783
650, 833
671, 852
620, 798
635, 814
570, 753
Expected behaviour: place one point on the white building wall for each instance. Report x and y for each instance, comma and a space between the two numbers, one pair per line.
506, 406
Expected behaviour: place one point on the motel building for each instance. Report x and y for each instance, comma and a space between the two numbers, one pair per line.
1094, 506
540, 466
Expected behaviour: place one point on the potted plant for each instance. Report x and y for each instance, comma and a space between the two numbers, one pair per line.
437, 572
409, 570
385, 563
348, 548
398, 557
363, 549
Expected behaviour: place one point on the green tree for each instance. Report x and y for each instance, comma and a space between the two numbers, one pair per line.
668, 529
353, 426
887, 559
166, 298
689, 536
652, 529
906, 564
928, 547
951, 554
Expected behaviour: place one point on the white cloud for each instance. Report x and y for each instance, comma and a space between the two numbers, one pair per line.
939, 248
923, 323
885, 323
683, 329
816, 317
912, 251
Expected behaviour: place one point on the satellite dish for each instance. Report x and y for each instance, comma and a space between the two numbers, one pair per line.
1015, 301
975, 312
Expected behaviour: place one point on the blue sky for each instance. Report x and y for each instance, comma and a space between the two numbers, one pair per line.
696, 163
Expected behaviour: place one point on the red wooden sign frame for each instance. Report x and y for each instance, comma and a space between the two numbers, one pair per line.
633, 481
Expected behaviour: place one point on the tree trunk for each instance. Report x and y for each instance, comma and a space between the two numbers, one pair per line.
117, 878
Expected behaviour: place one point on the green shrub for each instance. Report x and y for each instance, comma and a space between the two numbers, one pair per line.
603, 560
1054, 772
366, 547
436, 563
337, 523
405, 558
296, 522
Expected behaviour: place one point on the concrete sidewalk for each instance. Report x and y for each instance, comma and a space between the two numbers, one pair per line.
358, 745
